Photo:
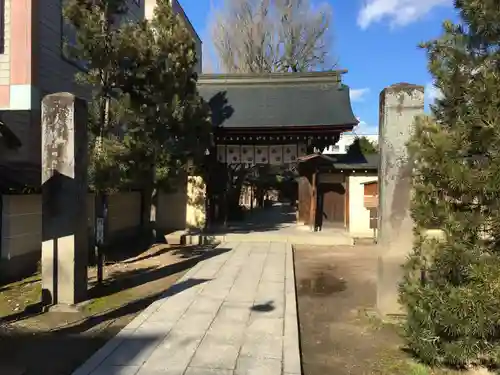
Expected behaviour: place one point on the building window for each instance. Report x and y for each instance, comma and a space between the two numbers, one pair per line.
2, 26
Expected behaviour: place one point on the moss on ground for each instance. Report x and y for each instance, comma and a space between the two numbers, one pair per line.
16, 296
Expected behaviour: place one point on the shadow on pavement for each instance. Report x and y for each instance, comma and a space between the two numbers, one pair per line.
59, 352
127, 280
134, 278
262, 220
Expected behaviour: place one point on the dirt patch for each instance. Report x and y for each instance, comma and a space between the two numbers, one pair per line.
56, 343
340, 333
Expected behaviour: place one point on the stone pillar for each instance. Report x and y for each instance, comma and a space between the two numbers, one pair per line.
399, 104
196, 196
64, 196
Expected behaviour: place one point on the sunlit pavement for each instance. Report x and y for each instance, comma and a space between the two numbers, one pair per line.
234, 313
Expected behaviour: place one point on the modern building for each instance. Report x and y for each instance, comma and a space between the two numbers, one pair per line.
33, 64
347, 139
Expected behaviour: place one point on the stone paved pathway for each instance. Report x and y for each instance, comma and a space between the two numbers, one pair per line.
232, 314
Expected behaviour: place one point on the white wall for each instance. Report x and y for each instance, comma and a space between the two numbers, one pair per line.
359, 216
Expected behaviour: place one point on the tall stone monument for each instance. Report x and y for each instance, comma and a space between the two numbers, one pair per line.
64, 192
399, 105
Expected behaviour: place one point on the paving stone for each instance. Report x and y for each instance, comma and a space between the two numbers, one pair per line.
149, 371
217, 293
104, 352
290, 309
270, 291
265, 326
262, 347
234, 312
273, 276
116, 370
291, 356
213, 354
207, 371
242, 295
228, 274
206, 305
194, 322
170, 312
227, 332
257, 366
153, 327
267, 309
244, 316
291, 329
207, 272
134, 351
277, 247
174, 354
137, 321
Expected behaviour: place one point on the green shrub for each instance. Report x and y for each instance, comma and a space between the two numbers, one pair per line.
451, 289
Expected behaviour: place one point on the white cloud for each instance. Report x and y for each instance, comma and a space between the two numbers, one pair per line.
358, 95
364, 128
397, 12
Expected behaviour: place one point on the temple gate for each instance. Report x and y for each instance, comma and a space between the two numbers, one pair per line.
270, 120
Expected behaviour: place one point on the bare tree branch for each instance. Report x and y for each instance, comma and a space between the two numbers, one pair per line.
253, 36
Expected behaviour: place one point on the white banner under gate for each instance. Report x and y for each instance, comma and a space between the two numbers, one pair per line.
251, 155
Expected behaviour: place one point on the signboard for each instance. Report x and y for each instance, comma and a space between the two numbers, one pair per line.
373, 218
99, 235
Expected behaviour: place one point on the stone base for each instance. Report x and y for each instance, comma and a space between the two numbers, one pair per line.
390, 274
175, 238
63, 308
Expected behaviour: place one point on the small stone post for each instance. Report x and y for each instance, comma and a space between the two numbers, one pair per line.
196, 197
399, 104
64, 195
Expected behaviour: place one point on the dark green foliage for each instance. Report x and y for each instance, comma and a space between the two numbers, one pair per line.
173, 126
451, 289
362, 146
147, 119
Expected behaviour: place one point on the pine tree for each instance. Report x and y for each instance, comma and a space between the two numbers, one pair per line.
362, 146
174, 125
100, 28
102, 37
451, 289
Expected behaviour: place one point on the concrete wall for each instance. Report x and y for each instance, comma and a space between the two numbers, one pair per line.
21, 228
124, 214
359, 216
171, 211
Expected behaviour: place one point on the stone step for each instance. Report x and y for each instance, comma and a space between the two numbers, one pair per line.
312, 239
175, 238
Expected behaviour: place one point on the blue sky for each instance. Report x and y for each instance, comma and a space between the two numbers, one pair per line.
375, 40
